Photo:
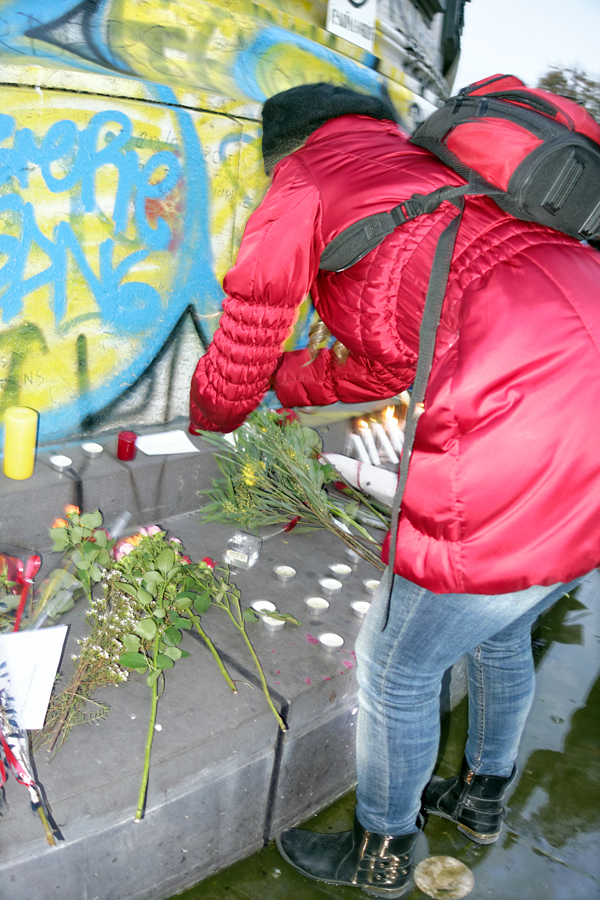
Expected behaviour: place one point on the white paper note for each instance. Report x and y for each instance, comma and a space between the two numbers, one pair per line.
32, 658
165, 442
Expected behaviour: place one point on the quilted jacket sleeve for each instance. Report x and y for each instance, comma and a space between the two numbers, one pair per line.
275, 268
326, 380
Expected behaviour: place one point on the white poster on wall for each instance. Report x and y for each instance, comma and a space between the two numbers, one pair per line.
353, 20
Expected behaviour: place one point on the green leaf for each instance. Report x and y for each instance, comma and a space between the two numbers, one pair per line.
143, 596
165, 560
184, 600
90, 551
91, 520
202, 603
126, 588
131, 642
164, 662
146, 628
76, 533
249, 615
60, 543
133, 660
153, 677
153, 575
103, 558
101, 538
159, 613
150, 586
172, 635
184, 653
173, 652
181, 623
95, 574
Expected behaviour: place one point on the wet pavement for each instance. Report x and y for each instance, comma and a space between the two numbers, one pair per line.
550, 848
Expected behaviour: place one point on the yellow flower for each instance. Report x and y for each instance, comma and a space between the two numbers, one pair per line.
60, 523
70, 509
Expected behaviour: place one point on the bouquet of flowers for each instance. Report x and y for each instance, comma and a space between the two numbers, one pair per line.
273, 472
152, 594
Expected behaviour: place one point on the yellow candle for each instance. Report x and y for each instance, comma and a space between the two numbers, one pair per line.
20, 435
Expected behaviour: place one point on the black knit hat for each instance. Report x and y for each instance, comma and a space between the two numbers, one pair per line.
291, 116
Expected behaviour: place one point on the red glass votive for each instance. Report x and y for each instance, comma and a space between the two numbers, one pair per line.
126, 448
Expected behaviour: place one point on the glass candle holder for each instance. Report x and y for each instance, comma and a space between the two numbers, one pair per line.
242, 550
126, 448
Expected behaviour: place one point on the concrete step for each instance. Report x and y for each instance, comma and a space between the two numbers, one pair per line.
223, 780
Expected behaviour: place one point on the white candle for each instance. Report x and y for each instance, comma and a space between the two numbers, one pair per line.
330, 642
60, 463
318, 606
330, 585
284, 573
340, 570
354, 558
360, 608
359, 448
92, 449
263, 606
365, 433
370, 585
384, 442
395, 433
272, 624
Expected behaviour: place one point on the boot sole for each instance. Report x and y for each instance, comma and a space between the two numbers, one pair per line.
474, 836
367, 889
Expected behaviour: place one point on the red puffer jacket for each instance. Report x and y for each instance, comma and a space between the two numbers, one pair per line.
504, 485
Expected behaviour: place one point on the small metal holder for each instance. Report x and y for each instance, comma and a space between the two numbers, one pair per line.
61, 463
317, 606
284, 573
92, 450
330, 586
370, 585
330, 642
340, 570
360, 608
271, 624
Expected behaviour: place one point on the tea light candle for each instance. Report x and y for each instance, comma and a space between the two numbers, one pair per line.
360, 608
92, 450
272, 624
370, 585
340, 570
20, 435
284, 573
317, 606
60, 462
330, 585
263, 606
330, 642
354, 558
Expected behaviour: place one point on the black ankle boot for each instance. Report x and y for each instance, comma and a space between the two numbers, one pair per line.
379, 864
474, 801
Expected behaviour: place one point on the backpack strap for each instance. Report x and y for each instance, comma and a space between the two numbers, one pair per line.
363, 236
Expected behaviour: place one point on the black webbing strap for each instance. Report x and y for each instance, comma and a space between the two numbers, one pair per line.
432, 311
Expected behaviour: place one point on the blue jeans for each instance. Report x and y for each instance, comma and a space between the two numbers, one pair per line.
401, 661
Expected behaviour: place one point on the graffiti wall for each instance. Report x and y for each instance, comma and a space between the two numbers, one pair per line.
129, 163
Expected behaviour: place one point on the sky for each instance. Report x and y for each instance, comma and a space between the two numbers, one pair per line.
526, 37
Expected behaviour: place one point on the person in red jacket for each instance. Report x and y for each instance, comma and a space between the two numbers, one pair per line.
500, 514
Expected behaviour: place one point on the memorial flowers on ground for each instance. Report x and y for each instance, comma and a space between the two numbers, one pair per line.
151, 594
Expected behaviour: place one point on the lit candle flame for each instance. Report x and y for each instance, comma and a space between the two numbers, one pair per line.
389, 413
362, 424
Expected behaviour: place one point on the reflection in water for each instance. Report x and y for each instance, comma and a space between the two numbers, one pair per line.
559, 793
552, 628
